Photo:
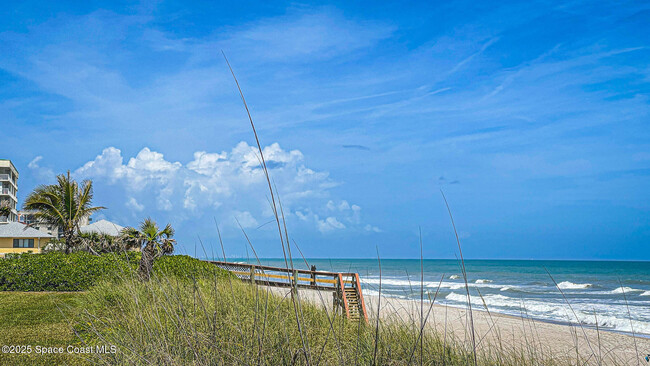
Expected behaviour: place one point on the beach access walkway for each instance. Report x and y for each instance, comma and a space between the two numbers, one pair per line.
347, 296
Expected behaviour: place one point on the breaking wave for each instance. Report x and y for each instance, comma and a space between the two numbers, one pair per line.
621, 290
610, 316
566, 285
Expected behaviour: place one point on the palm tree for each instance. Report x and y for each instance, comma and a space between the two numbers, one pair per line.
98, 243
153, 242
63, 205
5, 210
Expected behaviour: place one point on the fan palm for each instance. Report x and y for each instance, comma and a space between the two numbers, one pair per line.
153, 242
64, 205
5, 210
98, 243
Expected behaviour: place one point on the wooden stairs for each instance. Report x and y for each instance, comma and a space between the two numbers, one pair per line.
351, 299
346, 287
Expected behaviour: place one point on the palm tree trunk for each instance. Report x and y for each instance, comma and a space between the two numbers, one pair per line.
146, 262
68, 235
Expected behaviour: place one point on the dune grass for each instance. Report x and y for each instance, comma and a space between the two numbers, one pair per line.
211, 320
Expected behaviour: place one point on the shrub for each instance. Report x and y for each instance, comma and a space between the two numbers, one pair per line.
78, 271
56, 271
186, 267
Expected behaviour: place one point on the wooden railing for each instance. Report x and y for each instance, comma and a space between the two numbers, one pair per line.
335, 282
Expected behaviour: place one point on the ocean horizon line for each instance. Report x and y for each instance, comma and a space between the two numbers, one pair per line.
433, 259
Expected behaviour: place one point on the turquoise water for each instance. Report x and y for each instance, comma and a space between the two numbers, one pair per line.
614, 295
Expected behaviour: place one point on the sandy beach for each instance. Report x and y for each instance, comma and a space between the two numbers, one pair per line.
495, 332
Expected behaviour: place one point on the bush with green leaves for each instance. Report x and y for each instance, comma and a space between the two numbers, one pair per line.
186, 267
78, 271
56, 271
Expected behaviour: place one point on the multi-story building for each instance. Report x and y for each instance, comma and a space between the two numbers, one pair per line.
9, 189
28, 218
14, 236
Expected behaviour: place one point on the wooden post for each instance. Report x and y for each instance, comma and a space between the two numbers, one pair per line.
253, 275
294, 281
313, 276
360, 295
336, 297
344, 300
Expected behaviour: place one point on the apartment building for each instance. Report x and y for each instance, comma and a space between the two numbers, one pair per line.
9, 189
15, 237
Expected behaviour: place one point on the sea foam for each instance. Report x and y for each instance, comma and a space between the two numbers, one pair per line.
566, 285
621, 290
583, 313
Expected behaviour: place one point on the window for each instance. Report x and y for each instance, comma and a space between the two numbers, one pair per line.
23, 243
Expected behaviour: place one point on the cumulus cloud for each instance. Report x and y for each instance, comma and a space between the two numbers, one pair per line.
230, 185
329, 224
133, 204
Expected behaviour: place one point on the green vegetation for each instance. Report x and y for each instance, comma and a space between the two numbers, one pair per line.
221, 322
97, 243
38, 319
5, 209
56, 271
80, 271
213, 320
63, 205
67, 204
153, 242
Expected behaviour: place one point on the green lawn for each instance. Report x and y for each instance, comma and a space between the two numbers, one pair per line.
37, 319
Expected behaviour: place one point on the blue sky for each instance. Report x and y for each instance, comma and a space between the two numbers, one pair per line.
531, 116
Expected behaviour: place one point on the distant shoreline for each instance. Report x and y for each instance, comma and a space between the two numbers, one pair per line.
298, 261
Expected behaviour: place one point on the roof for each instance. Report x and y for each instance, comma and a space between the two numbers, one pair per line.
10, 165
18, 230
102, 227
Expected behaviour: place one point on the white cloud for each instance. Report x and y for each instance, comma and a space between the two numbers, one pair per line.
329, 224
371, 228
307, 36
228, 184
245, 219
133, 204
34, 163
41, 172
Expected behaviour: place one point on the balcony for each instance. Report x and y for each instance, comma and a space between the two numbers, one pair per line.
8, 192
7, 178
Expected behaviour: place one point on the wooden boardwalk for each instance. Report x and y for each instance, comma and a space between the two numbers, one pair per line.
345, 287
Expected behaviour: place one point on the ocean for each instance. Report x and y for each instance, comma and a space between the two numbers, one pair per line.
615, 295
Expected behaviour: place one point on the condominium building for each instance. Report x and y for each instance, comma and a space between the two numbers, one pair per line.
15, 237
9, 189
29, 218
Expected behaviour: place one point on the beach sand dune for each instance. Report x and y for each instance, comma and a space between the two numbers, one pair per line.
497, 332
